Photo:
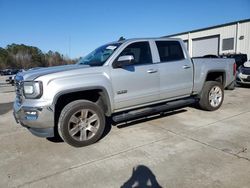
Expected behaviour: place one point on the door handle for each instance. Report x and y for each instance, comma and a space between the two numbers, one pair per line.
152, 71
186, 66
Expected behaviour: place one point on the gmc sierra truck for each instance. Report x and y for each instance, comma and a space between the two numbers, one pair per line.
121, 80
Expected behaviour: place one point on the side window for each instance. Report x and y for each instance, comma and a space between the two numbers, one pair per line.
169, 51
141, 52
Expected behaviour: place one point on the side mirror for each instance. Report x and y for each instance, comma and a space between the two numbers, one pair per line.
124, 61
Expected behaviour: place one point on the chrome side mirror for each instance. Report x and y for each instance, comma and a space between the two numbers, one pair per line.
124, 60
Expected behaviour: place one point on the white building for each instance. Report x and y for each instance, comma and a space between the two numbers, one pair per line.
227, 38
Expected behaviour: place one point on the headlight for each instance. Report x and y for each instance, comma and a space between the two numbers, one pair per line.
32, 90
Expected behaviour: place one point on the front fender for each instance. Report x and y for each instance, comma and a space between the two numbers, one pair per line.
57, 85
104, 94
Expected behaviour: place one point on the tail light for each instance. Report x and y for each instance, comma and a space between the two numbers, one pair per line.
234, 69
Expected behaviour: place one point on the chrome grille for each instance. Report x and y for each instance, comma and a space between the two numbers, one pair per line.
19, 89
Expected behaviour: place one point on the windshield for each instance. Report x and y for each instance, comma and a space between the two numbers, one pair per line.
99, 56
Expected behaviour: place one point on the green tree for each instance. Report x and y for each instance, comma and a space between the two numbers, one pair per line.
3, 58
23, 56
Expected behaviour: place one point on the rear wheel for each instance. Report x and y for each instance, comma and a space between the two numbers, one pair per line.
81, 123
212, 96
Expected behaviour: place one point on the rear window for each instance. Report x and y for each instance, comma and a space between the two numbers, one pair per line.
169, 51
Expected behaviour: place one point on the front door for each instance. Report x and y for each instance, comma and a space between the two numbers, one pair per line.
136, 84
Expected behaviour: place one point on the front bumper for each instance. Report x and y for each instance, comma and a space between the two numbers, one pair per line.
243, 78
39, 120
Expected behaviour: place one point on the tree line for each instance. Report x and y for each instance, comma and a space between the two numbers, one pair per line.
21, 56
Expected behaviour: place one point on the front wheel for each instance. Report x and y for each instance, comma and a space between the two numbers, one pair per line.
81, 123
212, 96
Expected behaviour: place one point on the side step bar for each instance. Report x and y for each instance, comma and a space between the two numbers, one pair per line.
134, 114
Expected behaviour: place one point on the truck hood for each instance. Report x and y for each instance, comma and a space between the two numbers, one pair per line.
33, 74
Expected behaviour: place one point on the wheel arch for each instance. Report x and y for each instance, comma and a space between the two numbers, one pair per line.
96, 94
216, 75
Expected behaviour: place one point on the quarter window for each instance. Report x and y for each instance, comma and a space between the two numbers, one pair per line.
141, 52
169, 51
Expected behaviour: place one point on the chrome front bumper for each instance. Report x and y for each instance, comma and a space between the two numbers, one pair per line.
39, 120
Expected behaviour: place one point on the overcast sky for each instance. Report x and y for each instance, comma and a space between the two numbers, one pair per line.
75, 27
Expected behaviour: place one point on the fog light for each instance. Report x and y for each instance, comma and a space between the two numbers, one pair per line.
31, 115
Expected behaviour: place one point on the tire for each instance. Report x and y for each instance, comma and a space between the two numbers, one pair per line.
212, 96
231, 86
81, 123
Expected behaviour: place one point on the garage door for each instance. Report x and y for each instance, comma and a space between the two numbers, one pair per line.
205, 46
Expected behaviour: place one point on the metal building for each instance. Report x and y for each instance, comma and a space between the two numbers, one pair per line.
233, 37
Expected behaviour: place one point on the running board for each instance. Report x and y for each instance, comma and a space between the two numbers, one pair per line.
134, 114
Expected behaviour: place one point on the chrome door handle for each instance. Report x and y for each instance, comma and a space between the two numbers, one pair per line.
152, 71
186, 66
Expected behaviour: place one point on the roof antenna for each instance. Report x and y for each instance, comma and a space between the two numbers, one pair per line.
121, 39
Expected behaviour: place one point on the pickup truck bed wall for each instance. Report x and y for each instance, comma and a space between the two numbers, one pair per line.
203, 66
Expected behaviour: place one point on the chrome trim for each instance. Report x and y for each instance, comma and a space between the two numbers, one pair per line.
19, 89
42, 117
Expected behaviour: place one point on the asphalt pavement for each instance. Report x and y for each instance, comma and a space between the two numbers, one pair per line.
183, 148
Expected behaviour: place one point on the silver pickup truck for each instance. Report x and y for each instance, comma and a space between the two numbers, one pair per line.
121, 81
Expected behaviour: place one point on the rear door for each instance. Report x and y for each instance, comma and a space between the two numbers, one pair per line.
136, 84
176, 70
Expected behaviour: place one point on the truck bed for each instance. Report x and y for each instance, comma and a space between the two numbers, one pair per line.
201, 65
